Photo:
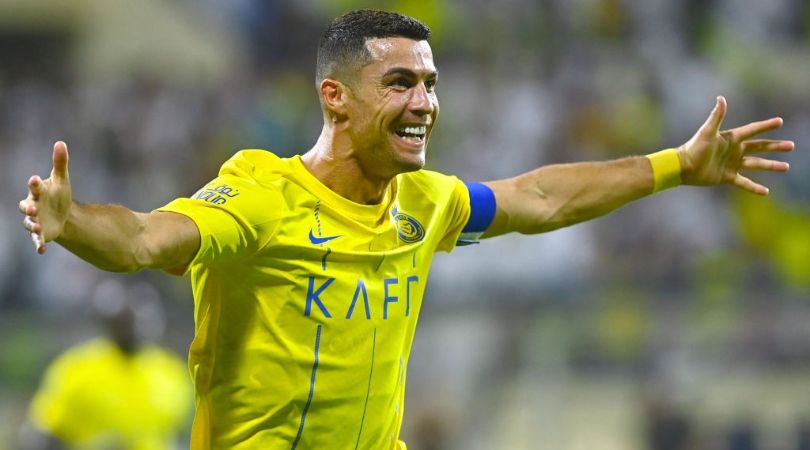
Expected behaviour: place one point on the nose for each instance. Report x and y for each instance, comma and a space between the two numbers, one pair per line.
422, 101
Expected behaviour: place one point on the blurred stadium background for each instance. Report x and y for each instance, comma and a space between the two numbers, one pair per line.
679, 322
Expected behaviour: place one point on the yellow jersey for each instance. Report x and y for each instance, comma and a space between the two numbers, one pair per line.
95, 396
306, 303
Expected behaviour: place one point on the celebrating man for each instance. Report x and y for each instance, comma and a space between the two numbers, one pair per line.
308, 272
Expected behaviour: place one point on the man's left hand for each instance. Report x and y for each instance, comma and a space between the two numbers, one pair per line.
714, 157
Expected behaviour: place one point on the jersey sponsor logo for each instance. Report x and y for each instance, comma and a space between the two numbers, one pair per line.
408, 228
318, 240
216, 194
317, 288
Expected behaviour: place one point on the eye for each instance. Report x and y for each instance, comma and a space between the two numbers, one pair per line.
401, 83
430, 84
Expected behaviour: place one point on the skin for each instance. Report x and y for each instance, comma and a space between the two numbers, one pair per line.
559, 195
358, 153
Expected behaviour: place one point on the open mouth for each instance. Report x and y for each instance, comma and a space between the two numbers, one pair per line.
412, 134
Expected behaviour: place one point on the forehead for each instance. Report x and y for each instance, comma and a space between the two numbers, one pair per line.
400, 52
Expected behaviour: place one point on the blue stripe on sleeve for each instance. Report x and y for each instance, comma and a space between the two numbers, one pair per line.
482, 208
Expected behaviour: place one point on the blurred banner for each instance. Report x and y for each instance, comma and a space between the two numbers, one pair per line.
155, 39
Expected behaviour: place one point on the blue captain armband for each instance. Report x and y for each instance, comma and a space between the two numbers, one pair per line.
482, 211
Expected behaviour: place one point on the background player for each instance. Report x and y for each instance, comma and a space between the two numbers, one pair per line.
115, 391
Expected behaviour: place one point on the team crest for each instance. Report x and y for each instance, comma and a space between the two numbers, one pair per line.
408, 228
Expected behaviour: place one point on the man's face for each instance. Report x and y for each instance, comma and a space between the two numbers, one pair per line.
393, 105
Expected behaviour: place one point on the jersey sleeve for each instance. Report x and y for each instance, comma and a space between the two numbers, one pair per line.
235, 214
458, 213
50, 408
474, 205
482, 212
60, 403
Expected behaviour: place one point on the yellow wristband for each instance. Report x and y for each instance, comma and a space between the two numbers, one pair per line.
666, 167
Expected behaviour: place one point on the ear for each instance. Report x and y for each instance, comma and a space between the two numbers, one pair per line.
334, 95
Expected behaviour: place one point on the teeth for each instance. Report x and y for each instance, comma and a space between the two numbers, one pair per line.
418, 131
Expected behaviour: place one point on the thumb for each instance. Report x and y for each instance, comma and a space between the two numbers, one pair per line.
60, 161
715, 119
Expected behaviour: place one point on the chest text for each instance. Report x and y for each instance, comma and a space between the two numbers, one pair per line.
394, 291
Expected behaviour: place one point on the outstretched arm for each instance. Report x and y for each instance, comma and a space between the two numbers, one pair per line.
110, 237
559, 195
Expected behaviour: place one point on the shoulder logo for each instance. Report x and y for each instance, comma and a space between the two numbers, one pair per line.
321, 240
408, 228
216, 194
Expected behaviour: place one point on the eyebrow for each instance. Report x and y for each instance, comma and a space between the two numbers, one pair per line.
407, 72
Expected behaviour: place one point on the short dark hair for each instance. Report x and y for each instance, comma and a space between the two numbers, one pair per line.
343, 44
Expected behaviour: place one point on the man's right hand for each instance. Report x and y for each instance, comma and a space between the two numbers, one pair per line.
48, 203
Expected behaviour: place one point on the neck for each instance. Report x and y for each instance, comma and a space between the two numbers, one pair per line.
336, 164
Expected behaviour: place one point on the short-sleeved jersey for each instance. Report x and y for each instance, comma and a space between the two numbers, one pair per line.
306, 303
96, 396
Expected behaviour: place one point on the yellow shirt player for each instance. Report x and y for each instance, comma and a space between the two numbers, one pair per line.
308, 273
97, 396
307, 302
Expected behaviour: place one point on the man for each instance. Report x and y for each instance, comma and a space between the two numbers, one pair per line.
79, 403
308, 272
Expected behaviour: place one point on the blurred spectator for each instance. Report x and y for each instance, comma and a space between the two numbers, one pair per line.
803, 435
113, 391
743, 436
668, 428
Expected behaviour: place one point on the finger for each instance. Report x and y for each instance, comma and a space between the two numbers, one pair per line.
712, 124
60, 161
754, 128
767, 146
39, 243
757, 163
30, 225
27, 208
36, 234
35, 186
745, 183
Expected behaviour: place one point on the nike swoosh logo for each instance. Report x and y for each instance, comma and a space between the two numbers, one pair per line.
321, 240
